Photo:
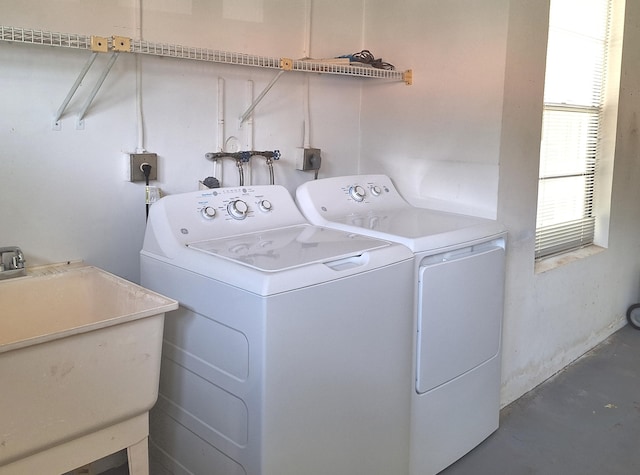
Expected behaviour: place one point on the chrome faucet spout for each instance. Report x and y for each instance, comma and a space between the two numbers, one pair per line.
14, 262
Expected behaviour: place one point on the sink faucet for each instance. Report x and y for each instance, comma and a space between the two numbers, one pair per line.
15, 261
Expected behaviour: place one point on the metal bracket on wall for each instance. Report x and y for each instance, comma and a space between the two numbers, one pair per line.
72, 91
286, 64
248, 112
95, 89
83, 72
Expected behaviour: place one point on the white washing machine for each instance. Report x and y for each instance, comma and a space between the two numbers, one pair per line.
458, 277
288, 354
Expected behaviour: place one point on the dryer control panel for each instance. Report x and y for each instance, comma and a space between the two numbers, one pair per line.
349, 194
372, 205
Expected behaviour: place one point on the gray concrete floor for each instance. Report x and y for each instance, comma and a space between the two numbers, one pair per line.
583, 421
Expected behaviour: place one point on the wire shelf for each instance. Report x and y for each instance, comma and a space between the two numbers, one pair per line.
46, 38
346, 69
87, 42
203, 54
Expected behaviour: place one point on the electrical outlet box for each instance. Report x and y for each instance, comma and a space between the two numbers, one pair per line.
308, 159
136, 160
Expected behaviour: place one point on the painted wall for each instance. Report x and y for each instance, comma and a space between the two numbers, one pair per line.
65, 194
465, 136
440, 138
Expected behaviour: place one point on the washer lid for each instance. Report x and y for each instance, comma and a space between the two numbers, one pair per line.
419, 229
289, 247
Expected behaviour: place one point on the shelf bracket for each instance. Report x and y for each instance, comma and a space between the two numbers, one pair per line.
99, 44
97, 86
244, 116
121, 44
74, 88
407, 77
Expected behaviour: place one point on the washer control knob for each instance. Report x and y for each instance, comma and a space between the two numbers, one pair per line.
209, 212
376, 190
357, 192
265, 206
238, 209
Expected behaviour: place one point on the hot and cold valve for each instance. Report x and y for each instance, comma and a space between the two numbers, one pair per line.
243, 157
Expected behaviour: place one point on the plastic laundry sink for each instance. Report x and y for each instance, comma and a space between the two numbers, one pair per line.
79, 365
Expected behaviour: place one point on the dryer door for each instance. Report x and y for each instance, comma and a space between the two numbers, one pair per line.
460, 305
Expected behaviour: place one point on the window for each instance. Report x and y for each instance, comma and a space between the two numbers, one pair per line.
574, 93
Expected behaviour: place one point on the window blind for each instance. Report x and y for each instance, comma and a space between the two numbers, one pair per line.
573, 97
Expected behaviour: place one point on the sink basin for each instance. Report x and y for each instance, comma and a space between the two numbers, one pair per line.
79, 366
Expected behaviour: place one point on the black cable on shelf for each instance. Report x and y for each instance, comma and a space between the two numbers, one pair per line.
366, 57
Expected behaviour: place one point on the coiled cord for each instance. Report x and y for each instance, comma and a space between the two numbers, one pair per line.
366, 57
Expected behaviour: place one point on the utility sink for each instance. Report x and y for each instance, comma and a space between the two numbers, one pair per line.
79, 367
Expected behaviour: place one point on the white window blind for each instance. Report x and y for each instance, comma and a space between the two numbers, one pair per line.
573, 98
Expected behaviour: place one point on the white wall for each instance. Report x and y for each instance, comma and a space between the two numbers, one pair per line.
64, 194
555, 316
465, 136
440, 138
468, 133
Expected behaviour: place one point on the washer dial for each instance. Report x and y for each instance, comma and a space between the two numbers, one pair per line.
375, 190
238, 209
357, 192
208, 212
265, 206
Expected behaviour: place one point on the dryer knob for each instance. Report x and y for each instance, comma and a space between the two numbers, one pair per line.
209, 212
376, 190
238, 209
357, 192
265, 206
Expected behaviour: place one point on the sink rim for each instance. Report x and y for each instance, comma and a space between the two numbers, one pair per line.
12, 340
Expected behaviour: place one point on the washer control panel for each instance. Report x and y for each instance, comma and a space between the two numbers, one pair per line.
235, 203
222, 212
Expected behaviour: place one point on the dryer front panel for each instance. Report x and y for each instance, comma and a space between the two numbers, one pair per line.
460, 304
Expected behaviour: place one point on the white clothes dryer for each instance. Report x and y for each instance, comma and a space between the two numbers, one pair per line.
458, 278
288, 354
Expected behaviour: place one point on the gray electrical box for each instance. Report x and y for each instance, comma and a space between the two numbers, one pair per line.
136, 162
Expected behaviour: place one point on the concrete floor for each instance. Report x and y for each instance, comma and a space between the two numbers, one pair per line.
583, 421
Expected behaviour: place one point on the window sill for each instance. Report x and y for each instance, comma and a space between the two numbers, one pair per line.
553, 262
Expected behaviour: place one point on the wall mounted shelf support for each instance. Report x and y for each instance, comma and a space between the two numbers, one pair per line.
74, 88
97, 85
244, 116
